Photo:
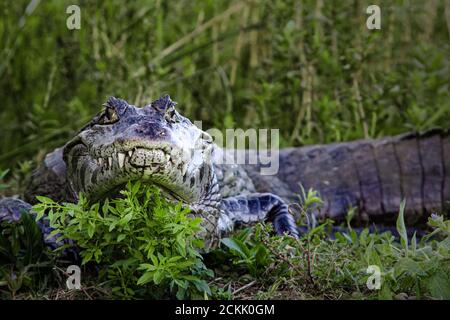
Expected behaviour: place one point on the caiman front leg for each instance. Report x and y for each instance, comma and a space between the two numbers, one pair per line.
11, 211
254, 207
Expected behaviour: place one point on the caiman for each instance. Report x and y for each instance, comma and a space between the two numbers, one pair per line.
157, 145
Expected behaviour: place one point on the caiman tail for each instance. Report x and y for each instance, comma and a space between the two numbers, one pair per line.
372, 175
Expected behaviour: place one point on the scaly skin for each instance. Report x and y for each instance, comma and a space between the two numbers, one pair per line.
156, 145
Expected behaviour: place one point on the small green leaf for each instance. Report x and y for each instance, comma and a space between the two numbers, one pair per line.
145, 278
45, 200
401, 228
158, 276
409, 266
120, 237
439, 286
236, 245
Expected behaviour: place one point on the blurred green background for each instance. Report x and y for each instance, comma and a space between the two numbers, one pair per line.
310, 68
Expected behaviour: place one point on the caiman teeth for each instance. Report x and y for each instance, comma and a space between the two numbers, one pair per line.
121, 158
110, 161
130, 153
100, 161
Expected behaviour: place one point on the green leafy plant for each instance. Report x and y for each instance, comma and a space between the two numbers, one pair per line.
146, 246
24, 261
422, 269
334, 265
248, 250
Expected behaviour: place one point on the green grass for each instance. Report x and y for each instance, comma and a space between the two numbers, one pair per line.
309, 68
319, 267
140, 246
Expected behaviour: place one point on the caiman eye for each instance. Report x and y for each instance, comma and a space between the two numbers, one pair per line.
109, 116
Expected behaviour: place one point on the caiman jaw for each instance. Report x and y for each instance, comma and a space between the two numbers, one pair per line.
96, 173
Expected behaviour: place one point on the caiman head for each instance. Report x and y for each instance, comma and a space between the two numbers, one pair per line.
153, 144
